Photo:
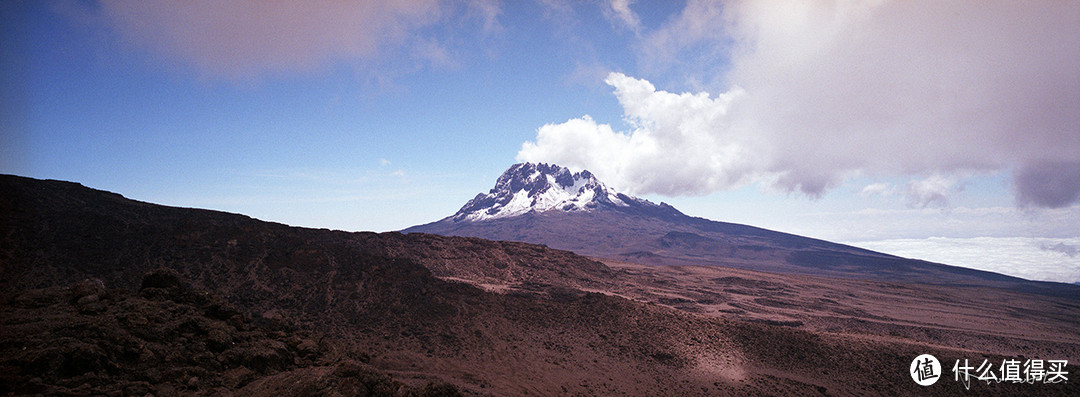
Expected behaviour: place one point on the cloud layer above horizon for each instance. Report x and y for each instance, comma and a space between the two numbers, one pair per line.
824, 92
1044, 259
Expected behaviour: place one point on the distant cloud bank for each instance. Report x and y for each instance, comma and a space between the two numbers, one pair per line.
824, 92
1043, 259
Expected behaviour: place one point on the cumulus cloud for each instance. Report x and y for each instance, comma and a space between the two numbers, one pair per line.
241, 39
910, 87
673, 146
1048, 184
933, 191
830, 90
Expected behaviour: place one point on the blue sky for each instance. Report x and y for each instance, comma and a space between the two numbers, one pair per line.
923, 129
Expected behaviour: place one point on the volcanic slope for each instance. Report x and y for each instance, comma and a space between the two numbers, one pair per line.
389, 303
550, 205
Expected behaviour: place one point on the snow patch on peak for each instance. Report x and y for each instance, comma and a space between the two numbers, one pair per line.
538, 188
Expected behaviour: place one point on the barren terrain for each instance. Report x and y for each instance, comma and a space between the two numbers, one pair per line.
395, 314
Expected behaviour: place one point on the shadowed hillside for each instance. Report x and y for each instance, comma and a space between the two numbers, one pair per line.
388, 302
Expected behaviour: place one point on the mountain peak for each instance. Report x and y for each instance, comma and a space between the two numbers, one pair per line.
529, 187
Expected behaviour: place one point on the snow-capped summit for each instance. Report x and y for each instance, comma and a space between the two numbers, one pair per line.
528, 187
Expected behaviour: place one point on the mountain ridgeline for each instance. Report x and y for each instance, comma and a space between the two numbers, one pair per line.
550, 205
532, 188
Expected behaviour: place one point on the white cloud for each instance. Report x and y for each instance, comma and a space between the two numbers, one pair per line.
1015, 256
672, 147
839, 89
911, 87
619, 10
873, 224
878, 189
933, 191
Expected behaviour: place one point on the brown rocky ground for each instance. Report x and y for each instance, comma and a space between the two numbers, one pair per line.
322, 312
973, 318
164, 339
